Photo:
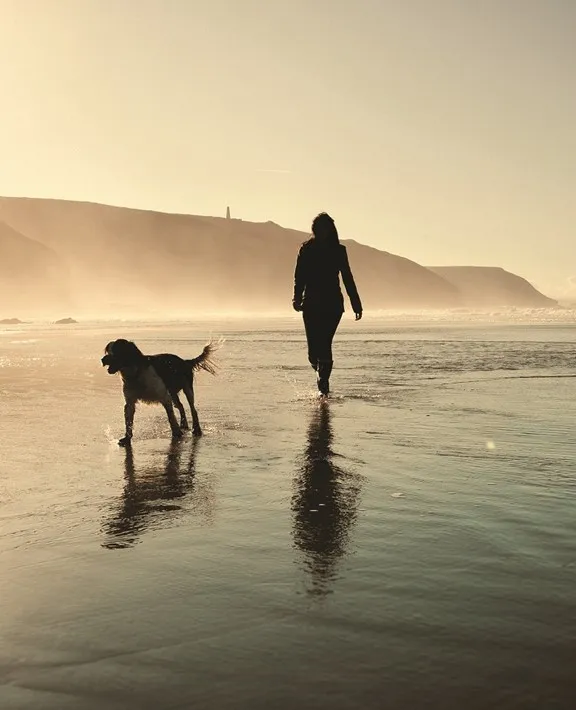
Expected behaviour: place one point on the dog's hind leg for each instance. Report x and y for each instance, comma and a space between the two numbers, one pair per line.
129, 410
176, 431
178, 404
189, 392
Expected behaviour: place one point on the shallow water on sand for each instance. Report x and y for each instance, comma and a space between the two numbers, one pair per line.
410, 544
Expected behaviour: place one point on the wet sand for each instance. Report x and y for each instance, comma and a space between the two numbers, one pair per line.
408, 545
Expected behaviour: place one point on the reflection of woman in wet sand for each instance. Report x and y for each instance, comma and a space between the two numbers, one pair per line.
324, 504
147, 495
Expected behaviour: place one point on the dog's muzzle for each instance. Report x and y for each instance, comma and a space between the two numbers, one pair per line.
108, 361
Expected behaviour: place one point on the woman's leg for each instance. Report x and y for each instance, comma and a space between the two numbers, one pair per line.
312, 326
330, 324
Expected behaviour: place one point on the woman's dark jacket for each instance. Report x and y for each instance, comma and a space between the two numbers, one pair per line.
316, 278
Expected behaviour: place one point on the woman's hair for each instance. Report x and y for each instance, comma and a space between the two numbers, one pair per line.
324, 230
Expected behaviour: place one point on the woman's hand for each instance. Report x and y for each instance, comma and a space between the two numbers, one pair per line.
358, 315
297, 305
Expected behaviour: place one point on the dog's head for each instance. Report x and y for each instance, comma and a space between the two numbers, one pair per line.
121, 354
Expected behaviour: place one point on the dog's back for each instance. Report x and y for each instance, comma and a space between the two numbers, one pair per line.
177, 373
174, 372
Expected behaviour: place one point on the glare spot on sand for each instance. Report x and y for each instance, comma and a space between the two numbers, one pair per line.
490, 445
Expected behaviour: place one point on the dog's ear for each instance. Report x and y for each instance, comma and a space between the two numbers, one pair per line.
126, 350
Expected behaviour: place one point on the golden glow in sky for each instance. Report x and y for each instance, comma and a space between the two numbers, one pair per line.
442, 131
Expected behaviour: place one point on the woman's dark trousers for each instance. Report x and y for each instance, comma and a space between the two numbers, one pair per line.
321, 326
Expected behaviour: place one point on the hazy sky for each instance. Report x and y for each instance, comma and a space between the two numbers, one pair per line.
442, 130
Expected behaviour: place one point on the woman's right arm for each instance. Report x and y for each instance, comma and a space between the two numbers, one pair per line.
299, 282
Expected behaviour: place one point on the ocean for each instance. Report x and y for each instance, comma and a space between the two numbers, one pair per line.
408, 544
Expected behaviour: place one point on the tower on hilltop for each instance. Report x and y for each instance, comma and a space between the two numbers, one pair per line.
227, 212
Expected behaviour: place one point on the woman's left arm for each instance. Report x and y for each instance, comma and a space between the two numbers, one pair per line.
350, 284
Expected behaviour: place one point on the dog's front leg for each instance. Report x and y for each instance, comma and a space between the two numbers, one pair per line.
176, 431
129, 410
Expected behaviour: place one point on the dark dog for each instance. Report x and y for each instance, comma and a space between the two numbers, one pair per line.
157, 379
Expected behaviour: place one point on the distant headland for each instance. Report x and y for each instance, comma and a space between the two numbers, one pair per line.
80, 255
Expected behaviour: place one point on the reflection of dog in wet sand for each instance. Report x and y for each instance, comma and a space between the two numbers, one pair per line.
157, 379
153, 494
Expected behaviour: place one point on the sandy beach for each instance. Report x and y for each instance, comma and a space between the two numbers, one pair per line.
409, 544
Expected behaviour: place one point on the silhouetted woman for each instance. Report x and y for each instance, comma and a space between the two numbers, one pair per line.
317, 293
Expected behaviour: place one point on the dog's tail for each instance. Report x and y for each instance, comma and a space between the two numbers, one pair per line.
205, 361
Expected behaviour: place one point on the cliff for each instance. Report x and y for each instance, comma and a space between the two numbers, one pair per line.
121, 257
30, 274
483, 286
127, 260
